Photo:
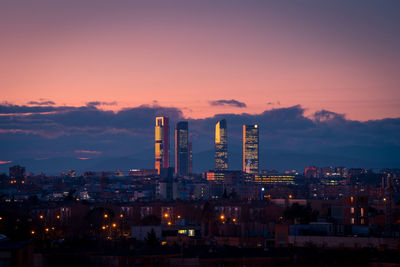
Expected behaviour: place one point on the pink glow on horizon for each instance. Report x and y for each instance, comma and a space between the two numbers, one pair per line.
185, 57
88, 152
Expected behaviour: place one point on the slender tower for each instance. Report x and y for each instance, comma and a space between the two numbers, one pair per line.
182, 148
221, 146
161, 143
190, 155
250, 148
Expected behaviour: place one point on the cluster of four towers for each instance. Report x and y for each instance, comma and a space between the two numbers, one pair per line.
183, 147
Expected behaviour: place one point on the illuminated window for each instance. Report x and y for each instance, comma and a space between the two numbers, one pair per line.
362, 221
351, 199
352, 220
191, 232
362, 212
352, 210
182, 232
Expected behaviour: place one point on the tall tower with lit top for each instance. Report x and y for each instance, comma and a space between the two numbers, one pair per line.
161, 143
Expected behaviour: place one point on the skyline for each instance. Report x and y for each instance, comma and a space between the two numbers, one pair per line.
204, 58
201, 132
53, 139
82, 83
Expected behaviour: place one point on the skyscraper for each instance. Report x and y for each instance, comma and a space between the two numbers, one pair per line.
161, 143
250, 148
221, 146
182, 148
190, 155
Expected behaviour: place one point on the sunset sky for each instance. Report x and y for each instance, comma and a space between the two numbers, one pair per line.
341, 56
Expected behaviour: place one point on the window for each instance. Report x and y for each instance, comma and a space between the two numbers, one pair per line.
182, 232
191, 232
352, 210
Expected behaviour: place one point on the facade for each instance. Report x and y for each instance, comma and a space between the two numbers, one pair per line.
161, 143
311, 172
182, 148
17, 174
221, 146
250, 148
190, 156
271, 179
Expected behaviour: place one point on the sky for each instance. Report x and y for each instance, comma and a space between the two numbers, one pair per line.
341, 55
81, 81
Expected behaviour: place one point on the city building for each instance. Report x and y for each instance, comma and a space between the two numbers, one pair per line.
271, 179
250, 148
17, 174
190, 156
311, 172
161, 143
221, 146
182, 148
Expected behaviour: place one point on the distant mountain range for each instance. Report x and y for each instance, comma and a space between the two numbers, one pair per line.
269, 159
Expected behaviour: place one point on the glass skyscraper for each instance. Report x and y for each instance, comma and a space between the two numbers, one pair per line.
250, 148
182, 148
221, 146
161, 143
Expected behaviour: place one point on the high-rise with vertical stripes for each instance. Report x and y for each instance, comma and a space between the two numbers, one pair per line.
221, 146
250, 148
161, 143
182, 148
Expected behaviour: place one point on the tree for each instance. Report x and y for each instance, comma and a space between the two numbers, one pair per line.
151, 239
225, 194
